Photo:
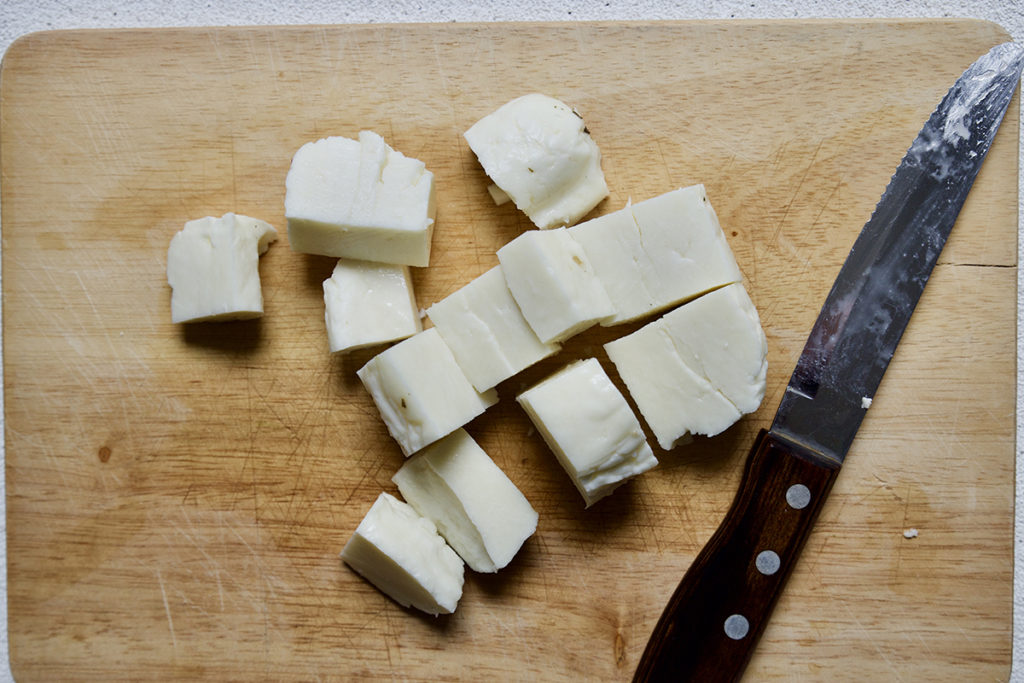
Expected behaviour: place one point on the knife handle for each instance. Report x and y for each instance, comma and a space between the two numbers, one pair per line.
713, 621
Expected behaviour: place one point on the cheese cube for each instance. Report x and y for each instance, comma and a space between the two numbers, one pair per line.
719, 336
486, 331
672, 398
359, 199
477, 509
537, 150
421, 393
400, 552
586, 421
658, 253
213, 268
698, 368
552, 280
369, 303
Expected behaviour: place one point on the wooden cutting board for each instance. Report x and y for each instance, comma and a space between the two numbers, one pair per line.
177, 496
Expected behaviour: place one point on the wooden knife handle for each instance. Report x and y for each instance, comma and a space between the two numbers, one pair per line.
713, 621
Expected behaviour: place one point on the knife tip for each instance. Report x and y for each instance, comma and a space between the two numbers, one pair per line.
1009, 54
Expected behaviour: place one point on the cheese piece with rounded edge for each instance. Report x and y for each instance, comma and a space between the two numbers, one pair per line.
400, 552
360, 199
593, 432
698, 368
552, 280
486, 331
658, 253
421, 392
213, 268
474, 505
367, 303
537, 150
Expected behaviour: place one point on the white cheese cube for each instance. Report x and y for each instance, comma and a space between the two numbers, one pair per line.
719, 337
369, 303
474, 505
421, 392
552, 280
360, 199
486, 331
698, 368
657, 253
672, 398
401, 553
586, 421
537, 150
213, 268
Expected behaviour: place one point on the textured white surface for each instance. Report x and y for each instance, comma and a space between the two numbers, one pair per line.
18, 17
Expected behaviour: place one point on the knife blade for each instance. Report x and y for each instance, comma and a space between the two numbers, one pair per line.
714, 618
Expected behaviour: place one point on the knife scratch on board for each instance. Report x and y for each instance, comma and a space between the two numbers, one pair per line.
879, 650
799, 186
439, 61
664, 161
816, 223
898, 564
367, 454
220, 589
388, 634
167, 608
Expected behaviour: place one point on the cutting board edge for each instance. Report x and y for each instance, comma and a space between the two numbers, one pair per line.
50, 34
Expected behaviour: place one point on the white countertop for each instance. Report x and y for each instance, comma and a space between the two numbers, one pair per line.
18, 17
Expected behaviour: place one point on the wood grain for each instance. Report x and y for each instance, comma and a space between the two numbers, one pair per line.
177, 497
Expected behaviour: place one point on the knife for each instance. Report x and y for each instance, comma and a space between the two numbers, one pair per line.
712, 623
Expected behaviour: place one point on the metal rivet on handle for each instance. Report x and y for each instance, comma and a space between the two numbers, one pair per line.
798, 496
737, 627
767, 562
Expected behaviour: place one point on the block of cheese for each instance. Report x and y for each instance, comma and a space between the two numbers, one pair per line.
486, 331
537, 150
658, 253
673, 399
367, 303
475, 506
551, 279
359, 199
719, 336
593, 432
400, 552
213, 268
421, 392
698, 368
